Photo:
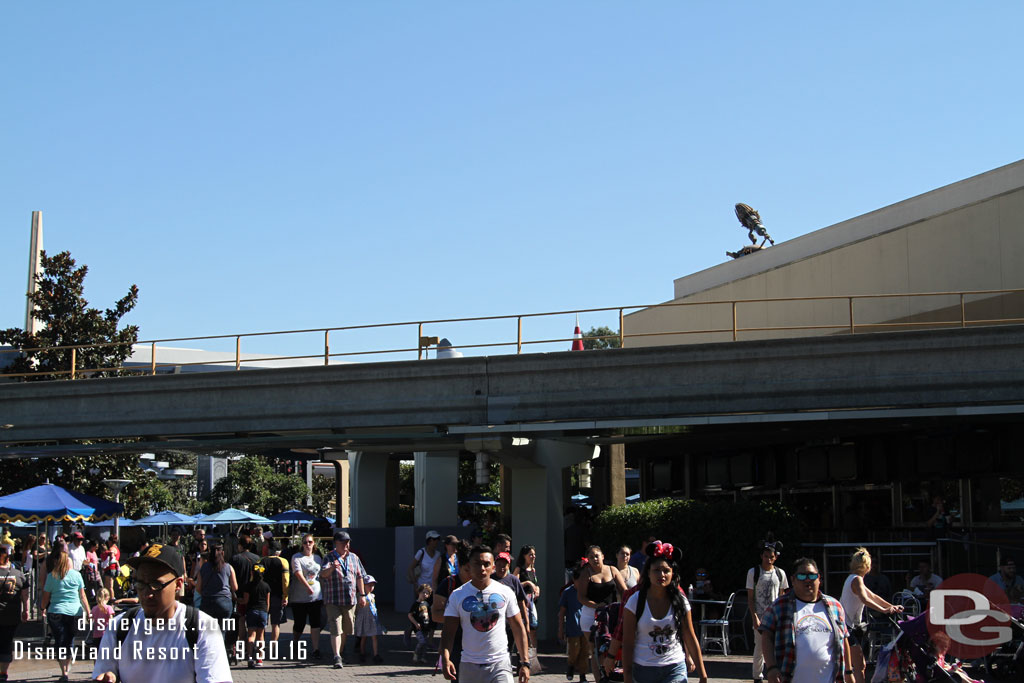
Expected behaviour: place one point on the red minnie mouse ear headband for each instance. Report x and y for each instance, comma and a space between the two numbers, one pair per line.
664, 551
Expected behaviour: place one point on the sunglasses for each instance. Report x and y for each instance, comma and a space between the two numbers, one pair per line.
143, 587
701, 574
806, 577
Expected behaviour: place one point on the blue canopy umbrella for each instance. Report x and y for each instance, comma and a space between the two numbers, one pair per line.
234, 516
165, 517
295, 516
52, 503
123, 521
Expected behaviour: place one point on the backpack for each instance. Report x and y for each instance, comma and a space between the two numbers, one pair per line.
191, 625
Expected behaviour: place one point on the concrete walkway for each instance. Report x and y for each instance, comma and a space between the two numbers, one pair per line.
397, 663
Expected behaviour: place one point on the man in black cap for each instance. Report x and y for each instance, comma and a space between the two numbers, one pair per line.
341, 580
242, 562
276, 574
164, 640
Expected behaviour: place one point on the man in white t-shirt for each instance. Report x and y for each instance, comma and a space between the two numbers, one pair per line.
156, 647
765, 583
804, 636
482, 607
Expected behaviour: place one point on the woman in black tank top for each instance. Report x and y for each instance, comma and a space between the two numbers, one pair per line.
596, 590
601, 593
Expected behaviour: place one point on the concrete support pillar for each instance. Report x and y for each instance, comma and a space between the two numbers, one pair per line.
437, 488
537, 515
341, 489
368, 475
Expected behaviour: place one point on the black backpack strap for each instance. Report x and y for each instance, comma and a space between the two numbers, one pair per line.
191, 626
124, 624
641, 602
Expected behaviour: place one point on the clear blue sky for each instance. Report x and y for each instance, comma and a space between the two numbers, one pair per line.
268, 165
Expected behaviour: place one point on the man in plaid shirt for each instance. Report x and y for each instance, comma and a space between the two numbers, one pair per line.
341, 581
803, 635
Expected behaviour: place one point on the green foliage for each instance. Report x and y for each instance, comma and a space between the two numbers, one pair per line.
68, 321
601, 338
406, 481
400, 515
323, 495
253, 483
721, 535
1011, 488
470, 490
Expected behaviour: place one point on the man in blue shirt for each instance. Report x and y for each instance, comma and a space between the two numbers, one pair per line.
1008, 580
569, 632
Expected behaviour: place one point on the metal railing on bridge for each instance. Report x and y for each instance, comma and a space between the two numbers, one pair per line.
419, 332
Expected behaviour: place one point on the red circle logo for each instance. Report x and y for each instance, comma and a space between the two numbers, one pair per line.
968, 616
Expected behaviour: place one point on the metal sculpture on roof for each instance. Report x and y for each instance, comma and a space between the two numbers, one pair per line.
751, 220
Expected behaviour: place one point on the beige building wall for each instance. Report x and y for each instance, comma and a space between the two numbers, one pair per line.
968, 236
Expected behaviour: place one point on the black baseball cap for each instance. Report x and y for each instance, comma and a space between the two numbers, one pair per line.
157, 553
342, 536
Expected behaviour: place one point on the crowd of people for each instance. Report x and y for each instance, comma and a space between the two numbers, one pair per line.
228, 598
628, 620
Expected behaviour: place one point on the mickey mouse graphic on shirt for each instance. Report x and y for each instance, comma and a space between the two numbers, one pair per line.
484, 611
662, 638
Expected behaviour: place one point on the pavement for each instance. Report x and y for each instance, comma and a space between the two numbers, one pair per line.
397, 663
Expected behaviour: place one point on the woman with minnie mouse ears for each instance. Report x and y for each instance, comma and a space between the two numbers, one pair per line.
658, 642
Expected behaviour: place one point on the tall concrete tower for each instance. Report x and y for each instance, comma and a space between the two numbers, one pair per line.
32, 324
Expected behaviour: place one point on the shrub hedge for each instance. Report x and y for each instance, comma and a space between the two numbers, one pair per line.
721, 536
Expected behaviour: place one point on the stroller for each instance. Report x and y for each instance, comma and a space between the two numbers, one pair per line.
912, 657
1007, 663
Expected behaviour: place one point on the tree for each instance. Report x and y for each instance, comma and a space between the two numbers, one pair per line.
254, 483
68, 320
601, 338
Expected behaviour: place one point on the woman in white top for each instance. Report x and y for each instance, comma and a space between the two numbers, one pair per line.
630, 574
304, 596
659, 645
424, 559
855, 596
